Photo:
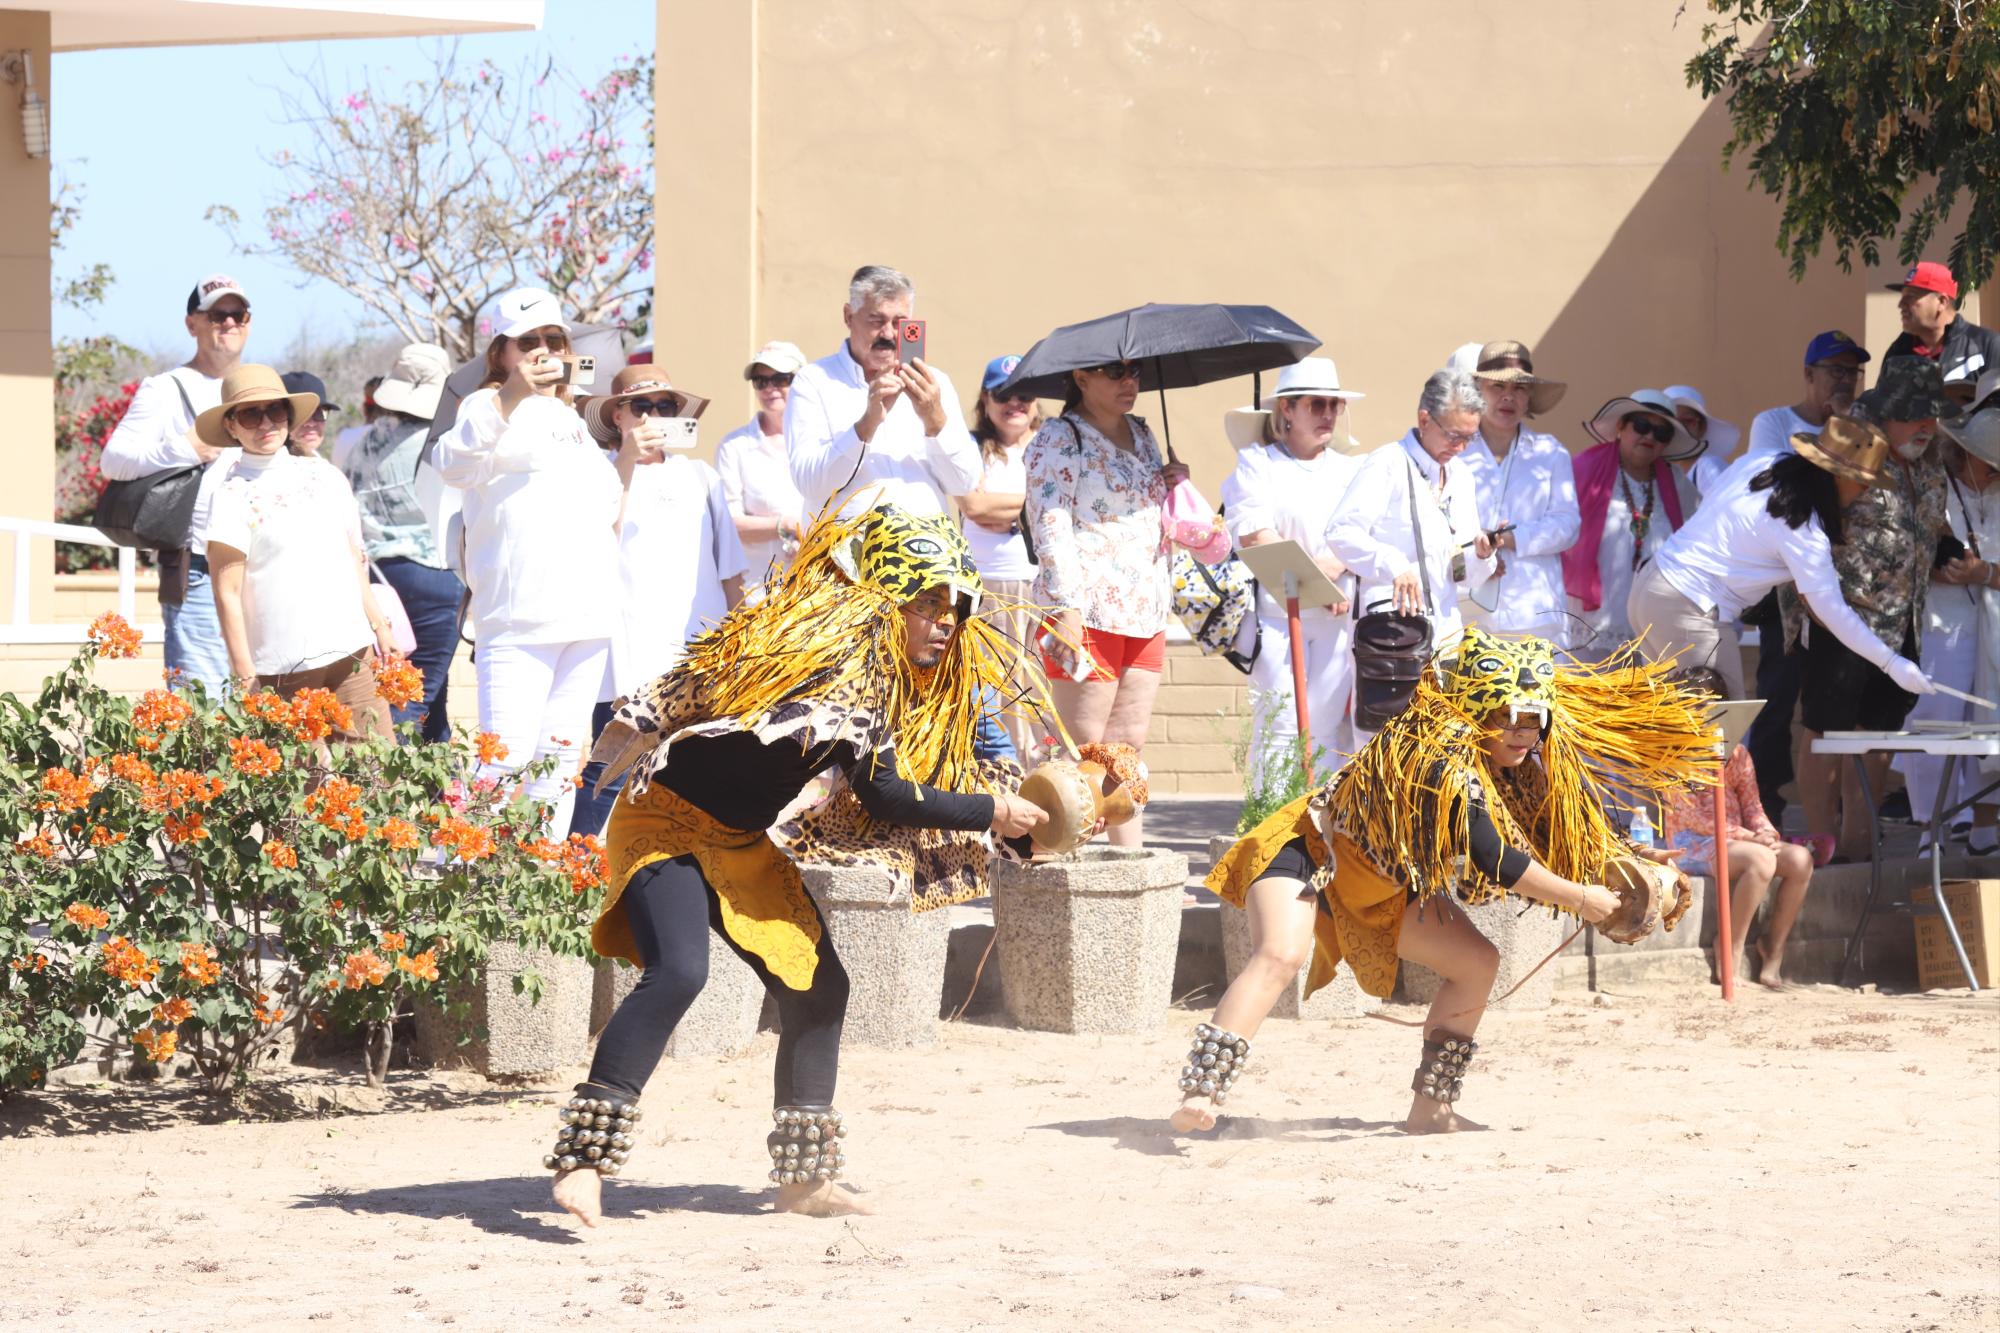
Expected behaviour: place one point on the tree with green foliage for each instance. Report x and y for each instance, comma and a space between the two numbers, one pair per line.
1848, 108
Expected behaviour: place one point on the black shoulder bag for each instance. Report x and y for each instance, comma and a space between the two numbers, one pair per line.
1391, 649
155, 512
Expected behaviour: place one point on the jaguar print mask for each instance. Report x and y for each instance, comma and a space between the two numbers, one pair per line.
904, 554
1515, 676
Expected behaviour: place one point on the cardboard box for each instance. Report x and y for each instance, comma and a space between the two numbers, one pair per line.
1975, 910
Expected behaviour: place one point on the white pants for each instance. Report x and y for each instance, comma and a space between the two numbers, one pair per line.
1329, 648
537, 698
1950, 656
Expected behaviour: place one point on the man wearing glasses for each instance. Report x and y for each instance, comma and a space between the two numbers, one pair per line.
863, 428
156, 434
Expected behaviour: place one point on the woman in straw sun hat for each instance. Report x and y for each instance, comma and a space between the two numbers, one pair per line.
1780, 528
1294, 463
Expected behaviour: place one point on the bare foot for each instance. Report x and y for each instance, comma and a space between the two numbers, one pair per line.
1434, 1117
1770, 970
577, 1193
1195, 1113
822, 1198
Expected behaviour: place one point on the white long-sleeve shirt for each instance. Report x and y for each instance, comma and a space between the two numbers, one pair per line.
901, 465
1370, 531
539, 499
1271, 488
1534, 488
1770, 438
1732, 551
677, 546
152, 436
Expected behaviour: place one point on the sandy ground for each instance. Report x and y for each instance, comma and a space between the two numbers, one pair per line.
1821, 1160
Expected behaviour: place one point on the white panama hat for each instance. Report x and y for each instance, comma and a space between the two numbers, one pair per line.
1311, 377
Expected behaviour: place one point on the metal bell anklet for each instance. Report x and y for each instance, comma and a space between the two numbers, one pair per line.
1441, 1074
1213, 1062
804, 1144
596, 1134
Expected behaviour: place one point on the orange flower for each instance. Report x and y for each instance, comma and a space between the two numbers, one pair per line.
186, 829
468, 841
131, 768
42, 845
101, 836
198, 964
365, 968
127, 962
66, 790
422, 966
583, 859
114, 636
335, 804
316, 714
281, 856
399, 682
400, 834
269, 707
160, 710
158, 1046
395, 941
173, 1013
253, 758
33, 962
86, 916
266, 1013
491, 751
178, 788
544, 850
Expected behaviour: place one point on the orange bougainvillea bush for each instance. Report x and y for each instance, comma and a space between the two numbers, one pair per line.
203, 876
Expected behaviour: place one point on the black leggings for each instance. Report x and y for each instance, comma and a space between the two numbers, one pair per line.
671, 909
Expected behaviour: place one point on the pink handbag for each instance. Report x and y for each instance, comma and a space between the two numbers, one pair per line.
402, 636
1194, 527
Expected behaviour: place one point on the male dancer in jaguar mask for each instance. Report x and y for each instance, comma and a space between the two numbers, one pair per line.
863, 657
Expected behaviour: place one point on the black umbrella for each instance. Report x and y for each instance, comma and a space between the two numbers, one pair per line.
1176, 346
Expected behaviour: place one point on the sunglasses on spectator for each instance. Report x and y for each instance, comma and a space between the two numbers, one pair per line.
255, 415
669, 406
319, 415
1117, 370
238, 314
1651, 426
1012, 397
772, 381
555, 342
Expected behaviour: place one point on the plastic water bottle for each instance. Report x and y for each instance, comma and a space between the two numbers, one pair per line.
1642, 828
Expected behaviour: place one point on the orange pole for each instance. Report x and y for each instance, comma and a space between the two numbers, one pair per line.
1298, 638
1725, 951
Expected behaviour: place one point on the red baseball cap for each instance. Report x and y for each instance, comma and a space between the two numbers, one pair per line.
1929, 277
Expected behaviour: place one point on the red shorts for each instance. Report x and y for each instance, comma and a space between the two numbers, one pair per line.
1111, 655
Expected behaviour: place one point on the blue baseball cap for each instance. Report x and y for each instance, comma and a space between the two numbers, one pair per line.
997, 371
1832, 343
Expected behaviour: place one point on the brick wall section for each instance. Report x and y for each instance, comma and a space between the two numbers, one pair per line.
1202, 710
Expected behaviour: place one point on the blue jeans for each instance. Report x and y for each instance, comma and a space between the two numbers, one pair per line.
990, 739
431, 598
592, 810
194, 643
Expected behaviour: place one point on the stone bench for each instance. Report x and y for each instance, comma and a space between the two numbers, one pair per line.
894, 957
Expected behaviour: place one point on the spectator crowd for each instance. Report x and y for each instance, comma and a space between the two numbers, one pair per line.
562, 527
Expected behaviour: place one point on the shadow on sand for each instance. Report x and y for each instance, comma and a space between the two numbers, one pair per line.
520, 1205
1157, 1139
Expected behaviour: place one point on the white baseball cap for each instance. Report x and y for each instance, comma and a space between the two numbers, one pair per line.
212, 289
781, 357
524, 310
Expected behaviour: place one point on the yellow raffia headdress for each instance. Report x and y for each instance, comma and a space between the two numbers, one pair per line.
1614, 733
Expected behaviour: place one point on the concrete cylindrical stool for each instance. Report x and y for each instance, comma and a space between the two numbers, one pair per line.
1340, 998
505, 1035
721, 1021
1087, 941
1524, 932
894, 957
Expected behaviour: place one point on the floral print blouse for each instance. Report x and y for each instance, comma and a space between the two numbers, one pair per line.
1691, 818
1095, 512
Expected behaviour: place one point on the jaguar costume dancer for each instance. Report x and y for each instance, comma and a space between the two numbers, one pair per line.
1494, 781
863, 657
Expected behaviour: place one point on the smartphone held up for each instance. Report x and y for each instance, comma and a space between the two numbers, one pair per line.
910, 340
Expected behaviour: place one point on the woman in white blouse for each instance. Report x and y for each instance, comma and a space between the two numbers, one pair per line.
991, 519
756, 478
541, 555
1743, 543
1291, 474
1096, 488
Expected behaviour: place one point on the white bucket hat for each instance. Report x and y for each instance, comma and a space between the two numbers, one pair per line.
524, 310
416, 383
1312, 377
1603, 427
1722, 435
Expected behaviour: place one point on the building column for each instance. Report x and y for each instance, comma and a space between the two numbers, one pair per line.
27, 389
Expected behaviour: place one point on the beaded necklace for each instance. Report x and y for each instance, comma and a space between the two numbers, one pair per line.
1642, 519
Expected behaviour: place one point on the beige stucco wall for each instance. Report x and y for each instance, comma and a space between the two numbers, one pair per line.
27, 462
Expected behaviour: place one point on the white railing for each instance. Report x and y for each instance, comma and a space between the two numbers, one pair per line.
17, 628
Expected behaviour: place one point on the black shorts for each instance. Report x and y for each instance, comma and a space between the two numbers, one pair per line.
1293, 861
1839, 691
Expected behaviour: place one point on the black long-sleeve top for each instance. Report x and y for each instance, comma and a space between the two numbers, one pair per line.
745, 784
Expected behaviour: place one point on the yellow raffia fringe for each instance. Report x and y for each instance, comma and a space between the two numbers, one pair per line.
817, 633
1619, 731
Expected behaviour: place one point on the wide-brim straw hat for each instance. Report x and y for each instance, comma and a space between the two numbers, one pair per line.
240, 388
1308, 377
638, 381
1977, 429
1603, 426
416, 383
1846, 448
1513, 363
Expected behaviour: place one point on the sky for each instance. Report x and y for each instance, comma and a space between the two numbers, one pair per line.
135, 129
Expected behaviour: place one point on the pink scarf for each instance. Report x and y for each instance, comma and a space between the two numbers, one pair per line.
1596, 473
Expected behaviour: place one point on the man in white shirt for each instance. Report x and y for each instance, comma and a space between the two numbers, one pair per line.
1370, 531
1832, 379
862, 428
157, 433
1521, 478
